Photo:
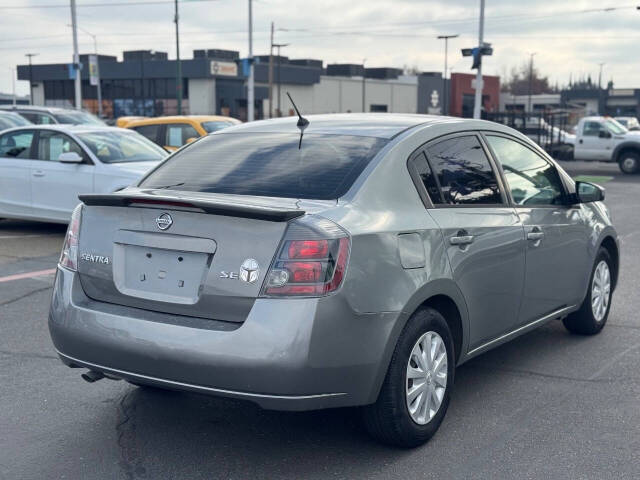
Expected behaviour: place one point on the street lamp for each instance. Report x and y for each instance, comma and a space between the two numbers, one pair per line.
30, 56
446, 38
530, 79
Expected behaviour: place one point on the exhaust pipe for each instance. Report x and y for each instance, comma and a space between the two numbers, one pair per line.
92, 376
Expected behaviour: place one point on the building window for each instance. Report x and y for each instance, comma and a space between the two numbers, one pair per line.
378, 108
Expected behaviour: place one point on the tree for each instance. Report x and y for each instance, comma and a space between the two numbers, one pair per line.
517, 81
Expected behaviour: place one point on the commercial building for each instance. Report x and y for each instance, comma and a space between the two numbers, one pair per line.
214, 82
463, 89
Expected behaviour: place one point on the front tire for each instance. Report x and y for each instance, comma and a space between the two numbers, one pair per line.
415, 394
594, 311
629, 163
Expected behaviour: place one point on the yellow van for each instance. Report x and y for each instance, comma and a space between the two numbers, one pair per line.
173, 132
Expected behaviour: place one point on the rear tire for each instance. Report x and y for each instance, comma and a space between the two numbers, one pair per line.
594, 311
629, 162
399, 417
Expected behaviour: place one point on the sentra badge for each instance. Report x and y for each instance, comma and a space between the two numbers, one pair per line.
90, 257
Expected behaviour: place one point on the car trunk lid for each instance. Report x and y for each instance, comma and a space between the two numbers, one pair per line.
201, 255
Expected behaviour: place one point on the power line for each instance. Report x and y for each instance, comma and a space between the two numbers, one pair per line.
111, 4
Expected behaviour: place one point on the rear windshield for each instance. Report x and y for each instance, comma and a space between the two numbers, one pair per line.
268, 164
214, 126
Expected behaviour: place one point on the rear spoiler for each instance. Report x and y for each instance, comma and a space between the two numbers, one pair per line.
210, 206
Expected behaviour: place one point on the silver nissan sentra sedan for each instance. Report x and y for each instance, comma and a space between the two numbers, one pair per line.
332, 261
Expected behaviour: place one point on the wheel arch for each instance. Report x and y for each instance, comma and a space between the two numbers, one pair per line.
442, 295
625, 147
610, 244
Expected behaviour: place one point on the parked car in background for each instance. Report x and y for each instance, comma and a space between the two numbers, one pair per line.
12, 119
172, 133
44, 168
605, 140
53, 115
630, 123
122, 121
355, 266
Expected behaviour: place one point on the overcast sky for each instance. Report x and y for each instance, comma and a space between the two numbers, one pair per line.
568, 37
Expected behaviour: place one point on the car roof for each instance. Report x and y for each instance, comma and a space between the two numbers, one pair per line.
380, 125
68, 128
180, 118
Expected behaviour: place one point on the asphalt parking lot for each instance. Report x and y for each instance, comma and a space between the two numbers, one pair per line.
547, 405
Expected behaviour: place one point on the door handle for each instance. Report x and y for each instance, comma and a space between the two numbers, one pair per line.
461, 238
535, 235
38, 173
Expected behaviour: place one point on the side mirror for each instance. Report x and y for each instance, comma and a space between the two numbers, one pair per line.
192, 139
70, 157
604, 134
589, 192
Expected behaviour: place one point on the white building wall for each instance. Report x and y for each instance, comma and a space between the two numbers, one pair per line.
344, 94
202, 96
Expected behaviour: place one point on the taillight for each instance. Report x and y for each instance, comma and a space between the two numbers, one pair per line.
69, 255
311, 260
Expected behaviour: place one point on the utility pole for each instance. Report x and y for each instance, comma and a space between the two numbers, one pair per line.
95, 51
271, 74
530, 81
30, 56
250, 83
364, 83
76, 57
278, 46
445, 103
178, 64
478, 100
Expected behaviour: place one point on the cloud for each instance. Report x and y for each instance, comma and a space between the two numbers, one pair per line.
569, 38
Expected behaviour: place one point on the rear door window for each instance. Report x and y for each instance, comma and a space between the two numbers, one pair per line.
268, 164
178, 134
16, 144
462, 173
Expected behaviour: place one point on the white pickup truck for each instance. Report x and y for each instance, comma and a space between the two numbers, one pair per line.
605, 140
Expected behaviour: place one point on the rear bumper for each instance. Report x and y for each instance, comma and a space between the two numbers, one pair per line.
289, 354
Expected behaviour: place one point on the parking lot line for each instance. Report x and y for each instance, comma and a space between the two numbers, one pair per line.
19, 276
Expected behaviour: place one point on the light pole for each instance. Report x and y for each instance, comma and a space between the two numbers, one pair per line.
445, 103
278, 46
477, 107
30, 56
530, 80
364, 83
95, 51
76, 57
250, 82
176, 19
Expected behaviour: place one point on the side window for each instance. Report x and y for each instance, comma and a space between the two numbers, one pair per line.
178, 134
591, 129
149, 131
52, 144
531, 179
37, 118
16, 144
462, 172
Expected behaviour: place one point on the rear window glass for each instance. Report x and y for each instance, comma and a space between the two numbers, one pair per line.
268, 164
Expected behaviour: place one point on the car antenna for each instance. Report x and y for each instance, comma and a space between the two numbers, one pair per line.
302, 122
